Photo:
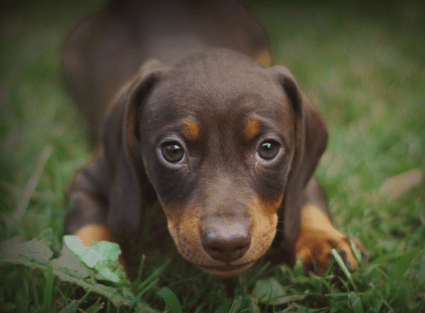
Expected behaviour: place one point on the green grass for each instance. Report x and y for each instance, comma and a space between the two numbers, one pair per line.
363, 64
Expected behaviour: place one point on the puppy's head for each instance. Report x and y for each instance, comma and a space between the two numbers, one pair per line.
221, 139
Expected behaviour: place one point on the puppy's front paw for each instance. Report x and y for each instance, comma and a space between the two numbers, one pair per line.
317, 239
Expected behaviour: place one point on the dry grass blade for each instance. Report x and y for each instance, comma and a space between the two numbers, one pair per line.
32, 184
397, 185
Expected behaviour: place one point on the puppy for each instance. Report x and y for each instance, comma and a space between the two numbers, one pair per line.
228, 145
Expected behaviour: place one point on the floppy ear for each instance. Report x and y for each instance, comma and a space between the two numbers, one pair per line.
121, 148
310, 143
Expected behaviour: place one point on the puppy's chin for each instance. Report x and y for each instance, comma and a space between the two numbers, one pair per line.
226, 270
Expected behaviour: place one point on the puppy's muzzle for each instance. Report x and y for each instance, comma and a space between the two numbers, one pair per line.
224, 240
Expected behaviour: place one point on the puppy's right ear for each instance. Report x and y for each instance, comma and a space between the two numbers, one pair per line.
310, 142
121, 149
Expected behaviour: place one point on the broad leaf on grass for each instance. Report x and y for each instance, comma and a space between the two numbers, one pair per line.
35, 250
68, 267
102, 256
267, 290
70, 264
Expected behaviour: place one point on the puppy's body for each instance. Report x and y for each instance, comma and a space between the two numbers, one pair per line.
105, 51
229, 146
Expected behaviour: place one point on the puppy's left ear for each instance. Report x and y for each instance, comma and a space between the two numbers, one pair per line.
121, 149
310, 143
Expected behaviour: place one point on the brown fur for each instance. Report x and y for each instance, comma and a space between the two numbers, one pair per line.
228, 145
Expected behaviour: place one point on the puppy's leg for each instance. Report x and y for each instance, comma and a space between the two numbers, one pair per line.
88, 208
318, 236
90, 233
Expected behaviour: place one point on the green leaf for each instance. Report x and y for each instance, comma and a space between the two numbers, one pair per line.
224, 307
268, 289
75, 245
108, 250
67, 268
172, 304
101, 255
403, 265
356, 303
70, 264
35, 250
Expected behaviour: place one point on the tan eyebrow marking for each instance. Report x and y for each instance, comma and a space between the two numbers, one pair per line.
263, 57
190, 130
252, 128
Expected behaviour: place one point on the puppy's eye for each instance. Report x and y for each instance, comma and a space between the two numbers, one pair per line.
268, 150
172, 152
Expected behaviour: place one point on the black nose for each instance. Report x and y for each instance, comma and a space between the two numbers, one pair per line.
226, 243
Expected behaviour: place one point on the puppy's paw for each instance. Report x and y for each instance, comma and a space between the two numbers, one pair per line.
317, 239
92, 232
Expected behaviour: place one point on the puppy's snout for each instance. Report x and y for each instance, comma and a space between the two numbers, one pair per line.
226, 242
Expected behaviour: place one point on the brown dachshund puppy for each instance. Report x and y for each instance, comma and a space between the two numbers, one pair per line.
228, 145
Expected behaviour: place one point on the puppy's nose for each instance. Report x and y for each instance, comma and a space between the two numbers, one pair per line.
226, 243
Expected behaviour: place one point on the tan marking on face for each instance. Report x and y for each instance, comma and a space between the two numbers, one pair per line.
263, 230
317, 239
184, 225
252, 128
190, 130
271, 207
263, 57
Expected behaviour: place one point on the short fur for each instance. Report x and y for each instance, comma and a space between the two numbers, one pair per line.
226, 202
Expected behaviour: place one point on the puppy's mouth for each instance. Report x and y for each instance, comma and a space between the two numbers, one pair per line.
226, 270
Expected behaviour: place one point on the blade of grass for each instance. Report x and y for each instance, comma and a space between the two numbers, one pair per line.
35, 296
172, 304
141, 293
356, 250
32, 184
138, 279
153, 276
95, 307
97, 288
356, 303
235, 305
344, 268
71, 307
48, 292
403, 265
330, 267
